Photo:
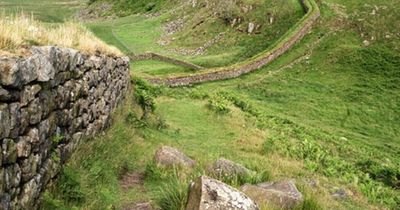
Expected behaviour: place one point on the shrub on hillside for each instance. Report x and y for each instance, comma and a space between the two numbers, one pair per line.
219, 104
145, 95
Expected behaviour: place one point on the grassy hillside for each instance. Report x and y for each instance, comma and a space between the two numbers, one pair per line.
193, 27
45, 10
327, 112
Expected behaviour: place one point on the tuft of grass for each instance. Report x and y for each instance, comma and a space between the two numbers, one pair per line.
19, 30
173, 194
309, 203
70, 189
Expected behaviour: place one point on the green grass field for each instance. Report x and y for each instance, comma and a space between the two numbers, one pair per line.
328, 110
44, 10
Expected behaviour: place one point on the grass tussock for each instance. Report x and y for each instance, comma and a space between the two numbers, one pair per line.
18, 31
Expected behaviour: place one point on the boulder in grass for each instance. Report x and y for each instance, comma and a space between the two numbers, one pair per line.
210, 194
282, 194
226, 168
170, 157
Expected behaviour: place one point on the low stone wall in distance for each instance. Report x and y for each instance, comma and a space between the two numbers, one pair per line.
236, 70
166, 59
49, 101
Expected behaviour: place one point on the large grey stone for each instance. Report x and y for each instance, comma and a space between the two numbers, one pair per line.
170, 157
283, 195
47, 102
29, 167
29, 69
45, 70
29, 93
23, 147
4, 121
35, 111
227, 168
24, 122
29, 194
210, 194
34, 136
15, 119
12, 177
10, 75
251, 28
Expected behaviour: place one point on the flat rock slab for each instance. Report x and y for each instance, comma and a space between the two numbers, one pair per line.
210, 194
280, 194
170, 157
227, 168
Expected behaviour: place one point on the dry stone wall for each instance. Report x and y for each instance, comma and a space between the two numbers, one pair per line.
155, 56
234, 71
50, 100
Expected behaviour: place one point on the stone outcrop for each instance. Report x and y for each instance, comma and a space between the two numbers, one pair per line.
49, 101
210, 194
226, 168
170, 157
283, 195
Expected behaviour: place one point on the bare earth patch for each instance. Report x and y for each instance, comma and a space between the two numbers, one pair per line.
131, 180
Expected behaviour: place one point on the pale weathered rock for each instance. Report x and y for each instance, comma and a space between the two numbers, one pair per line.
226, 168
45, 70
15, 119
23, 147
29, 167
29, 93
47, 103
24, 121
10, 75
28, 70
210, 194
33, 135
9, 151
43, 63
251, 28
35, 111
29, 194
12, 176
280, 194
169, 157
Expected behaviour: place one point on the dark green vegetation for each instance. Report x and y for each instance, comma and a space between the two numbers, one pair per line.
328, 110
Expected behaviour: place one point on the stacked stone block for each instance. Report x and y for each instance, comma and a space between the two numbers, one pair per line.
50, 100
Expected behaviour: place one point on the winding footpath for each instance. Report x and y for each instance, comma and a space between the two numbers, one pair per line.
293, 36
